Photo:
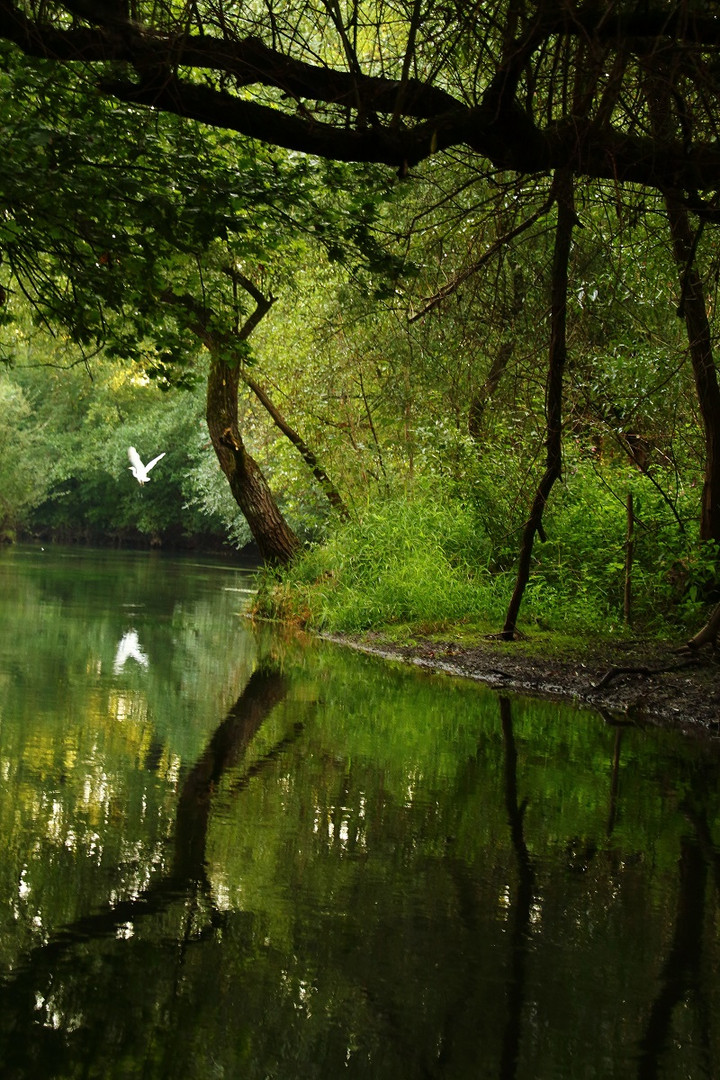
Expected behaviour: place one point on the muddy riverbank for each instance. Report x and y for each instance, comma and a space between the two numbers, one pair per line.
638, 681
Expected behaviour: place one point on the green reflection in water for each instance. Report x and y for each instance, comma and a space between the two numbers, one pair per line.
239, 854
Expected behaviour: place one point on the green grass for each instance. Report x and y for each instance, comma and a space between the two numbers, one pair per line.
426, 565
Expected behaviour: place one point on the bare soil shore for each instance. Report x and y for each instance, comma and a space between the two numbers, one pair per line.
645, 682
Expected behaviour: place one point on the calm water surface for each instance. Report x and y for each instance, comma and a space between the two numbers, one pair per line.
230, 854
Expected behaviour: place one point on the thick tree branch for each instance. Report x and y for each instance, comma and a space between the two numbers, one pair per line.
420, 118
248, 60
513, 142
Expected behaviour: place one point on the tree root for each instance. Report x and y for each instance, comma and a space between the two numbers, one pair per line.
707, 635
616, 672
502, 635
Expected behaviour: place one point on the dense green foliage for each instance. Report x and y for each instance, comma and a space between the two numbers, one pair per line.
438, 509
384, 401
431, 562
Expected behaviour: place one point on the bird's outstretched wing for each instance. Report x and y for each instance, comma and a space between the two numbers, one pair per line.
154, 461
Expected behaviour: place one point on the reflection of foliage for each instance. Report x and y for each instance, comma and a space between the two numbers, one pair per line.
89, 749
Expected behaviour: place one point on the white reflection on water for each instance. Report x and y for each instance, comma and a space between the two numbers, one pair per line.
129, 649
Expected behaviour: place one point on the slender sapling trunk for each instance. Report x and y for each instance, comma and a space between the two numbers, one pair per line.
554, 394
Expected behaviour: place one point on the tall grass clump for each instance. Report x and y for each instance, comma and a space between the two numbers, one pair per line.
433, 558
420, 560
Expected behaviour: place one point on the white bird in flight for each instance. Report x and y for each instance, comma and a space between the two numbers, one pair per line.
140, 471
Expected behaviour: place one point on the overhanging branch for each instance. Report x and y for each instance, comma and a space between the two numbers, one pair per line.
351, 116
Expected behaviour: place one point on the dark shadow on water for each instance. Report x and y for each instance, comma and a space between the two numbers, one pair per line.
460, 1015
522, 907
681, 979
264, 691
614, 783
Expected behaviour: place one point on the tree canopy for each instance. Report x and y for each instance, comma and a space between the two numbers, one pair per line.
529, 87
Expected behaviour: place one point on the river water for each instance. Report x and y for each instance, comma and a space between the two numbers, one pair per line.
230, 853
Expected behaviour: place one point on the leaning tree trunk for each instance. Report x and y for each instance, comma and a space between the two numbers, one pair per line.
708, 635
692, 308
272, 534
332, 494
554, 393
274, 537
669, 117
481, 399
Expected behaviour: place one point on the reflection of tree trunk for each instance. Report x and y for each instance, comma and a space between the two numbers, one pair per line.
229, 742
681, 968
459, 1010
707, 845
523, 902
614, 783
554, 395
19, 994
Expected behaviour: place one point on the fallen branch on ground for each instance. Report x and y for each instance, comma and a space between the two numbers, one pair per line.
615, 672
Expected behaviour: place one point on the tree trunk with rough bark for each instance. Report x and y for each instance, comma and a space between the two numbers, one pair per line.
692, 308
668, 115
275, 539
554, 394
